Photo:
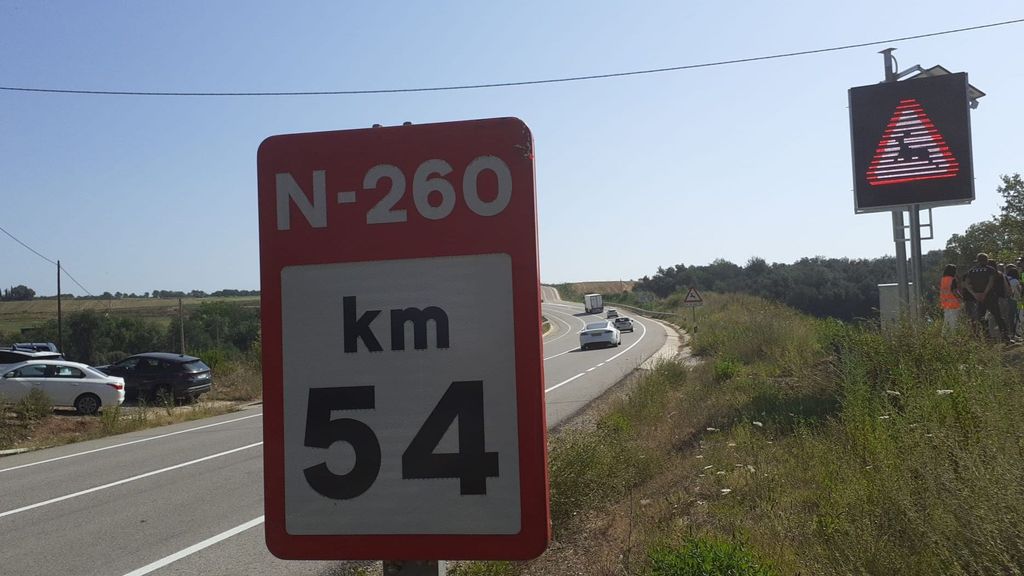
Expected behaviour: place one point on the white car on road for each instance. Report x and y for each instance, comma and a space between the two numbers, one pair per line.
602, 333
64, 383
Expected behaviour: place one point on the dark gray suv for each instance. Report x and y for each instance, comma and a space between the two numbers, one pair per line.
11, 356
156, 375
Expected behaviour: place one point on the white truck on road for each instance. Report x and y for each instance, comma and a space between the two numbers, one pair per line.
593, 303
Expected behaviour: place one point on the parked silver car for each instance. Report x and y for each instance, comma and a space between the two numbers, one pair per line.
624, 324
65, 383
602, 333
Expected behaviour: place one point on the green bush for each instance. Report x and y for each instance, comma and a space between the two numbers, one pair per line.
213, 357
754, 331
237, 379
725, 369
706, 557
116, 420
36, 405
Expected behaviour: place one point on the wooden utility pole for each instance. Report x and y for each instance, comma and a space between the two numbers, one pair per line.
60, 328
181, 325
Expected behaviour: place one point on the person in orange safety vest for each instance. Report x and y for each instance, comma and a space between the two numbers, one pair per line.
949, 296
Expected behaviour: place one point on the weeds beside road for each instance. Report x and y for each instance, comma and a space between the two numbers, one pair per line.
798, 446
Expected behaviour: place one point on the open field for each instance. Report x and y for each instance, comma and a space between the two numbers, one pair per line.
603, 287
15, 316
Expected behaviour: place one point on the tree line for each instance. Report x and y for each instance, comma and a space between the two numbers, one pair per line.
826, 287
846, 288
213, 330
22, 293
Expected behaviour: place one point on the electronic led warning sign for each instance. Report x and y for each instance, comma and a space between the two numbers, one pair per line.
911, 149
402, 362
911, 143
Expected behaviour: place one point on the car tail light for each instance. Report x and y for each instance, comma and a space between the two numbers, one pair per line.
116, 385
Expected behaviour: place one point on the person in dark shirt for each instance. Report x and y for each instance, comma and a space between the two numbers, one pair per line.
981, 284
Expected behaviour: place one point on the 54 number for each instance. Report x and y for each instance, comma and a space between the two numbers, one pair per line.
464, 400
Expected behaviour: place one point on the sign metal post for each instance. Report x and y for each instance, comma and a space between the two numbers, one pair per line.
693, 300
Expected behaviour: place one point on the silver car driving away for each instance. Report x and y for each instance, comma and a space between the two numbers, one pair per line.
602, 333
624, 324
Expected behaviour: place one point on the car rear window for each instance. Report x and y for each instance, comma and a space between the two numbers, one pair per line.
597, 325
194, 366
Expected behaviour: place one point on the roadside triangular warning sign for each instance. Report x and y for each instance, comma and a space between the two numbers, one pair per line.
911, 149
693, 297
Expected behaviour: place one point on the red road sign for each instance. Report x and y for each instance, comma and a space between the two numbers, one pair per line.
911, 143
911, 149
693, 298
402, 363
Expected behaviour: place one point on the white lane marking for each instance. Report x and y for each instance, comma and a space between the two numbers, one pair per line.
591, 369
572, 317
575, 309
563, 382
154, 566
125, 480
568, 329
561, 353
127, 443
584, 324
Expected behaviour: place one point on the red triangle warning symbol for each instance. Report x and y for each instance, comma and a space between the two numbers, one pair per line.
911, 149
693, 297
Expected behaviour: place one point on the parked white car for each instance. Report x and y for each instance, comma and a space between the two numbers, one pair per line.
602, 333
65, 383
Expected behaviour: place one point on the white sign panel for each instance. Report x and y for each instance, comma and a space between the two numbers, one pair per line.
400, 397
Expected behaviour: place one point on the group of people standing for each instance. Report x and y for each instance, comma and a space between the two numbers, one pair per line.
989, 292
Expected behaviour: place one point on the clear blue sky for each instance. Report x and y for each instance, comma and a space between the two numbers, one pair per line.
134, 194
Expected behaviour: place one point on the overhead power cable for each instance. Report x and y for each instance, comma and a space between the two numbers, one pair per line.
61, 266
509, 84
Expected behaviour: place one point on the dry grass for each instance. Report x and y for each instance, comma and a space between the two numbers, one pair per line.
576, 290
604, 287
66, 427
240, 380
799, 447
31, 313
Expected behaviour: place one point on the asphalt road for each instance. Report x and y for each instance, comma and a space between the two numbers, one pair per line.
188, 498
